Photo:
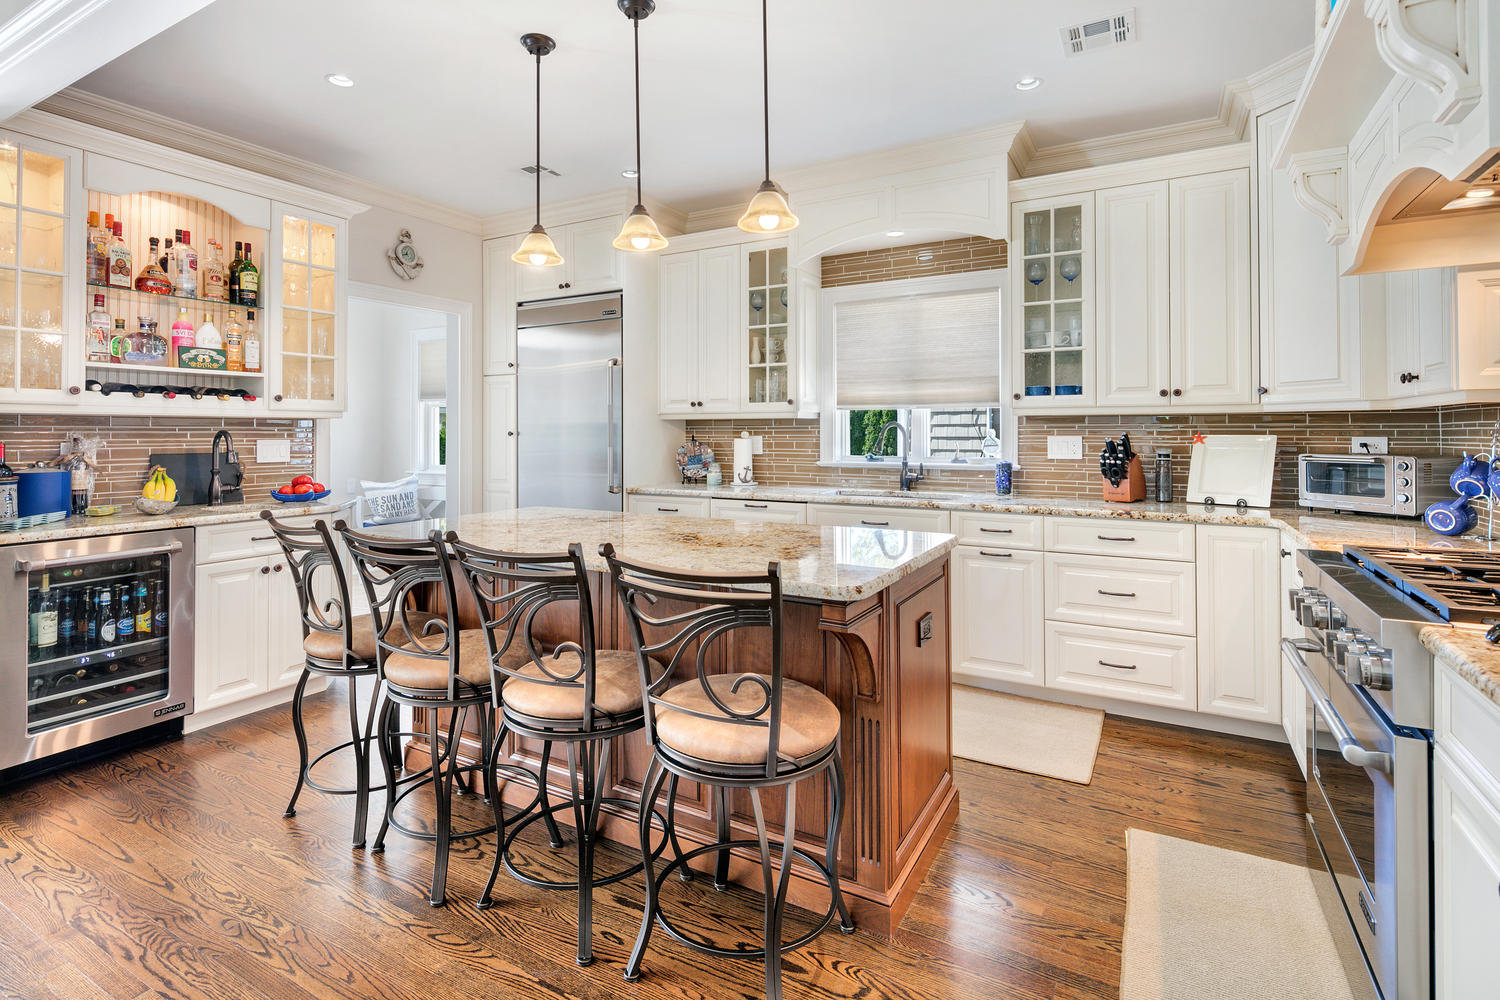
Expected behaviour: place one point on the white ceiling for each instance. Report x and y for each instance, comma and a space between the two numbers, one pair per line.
442, 106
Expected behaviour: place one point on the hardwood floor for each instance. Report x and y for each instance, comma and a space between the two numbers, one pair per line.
169, 872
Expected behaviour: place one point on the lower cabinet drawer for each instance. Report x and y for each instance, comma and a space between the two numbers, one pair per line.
780, 512
670, 506
860, 516
1128, 593
214, 543
1119, 663
998, 531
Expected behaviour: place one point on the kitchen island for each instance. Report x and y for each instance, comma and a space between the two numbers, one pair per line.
866, 622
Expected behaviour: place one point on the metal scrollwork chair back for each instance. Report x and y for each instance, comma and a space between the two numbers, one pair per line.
323, 593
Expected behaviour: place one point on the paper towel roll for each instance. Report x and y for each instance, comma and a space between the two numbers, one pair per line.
743, 465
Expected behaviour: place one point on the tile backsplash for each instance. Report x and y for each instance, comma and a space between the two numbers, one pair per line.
128, 441
791, 446
918, 260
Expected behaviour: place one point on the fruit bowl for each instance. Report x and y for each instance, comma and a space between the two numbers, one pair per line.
299, 497
146, 506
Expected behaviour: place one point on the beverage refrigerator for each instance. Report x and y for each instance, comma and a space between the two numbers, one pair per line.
96, 645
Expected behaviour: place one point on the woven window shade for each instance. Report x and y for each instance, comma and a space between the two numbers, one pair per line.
940, 349
432, 369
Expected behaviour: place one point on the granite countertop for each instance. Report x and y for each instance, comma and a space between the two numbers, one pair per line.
1310, 530
129, 519
835, 564
1469, 653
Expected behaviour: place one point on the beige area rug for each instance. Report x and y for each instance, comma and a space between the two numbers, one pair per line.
1204, 923
1023, 734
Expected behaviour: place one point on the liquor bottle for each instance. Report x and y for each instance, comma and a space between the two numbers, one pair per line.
98, 251
67, 637
233, 275
105, 612
252, 343
100, 327
208, 334
124, 615
182, 332
152, 278
249, 280
185, 276
234, 343
10, 500
44, 621
78, 479
144, 619
119, 343
213, 281
166, 255
119, 260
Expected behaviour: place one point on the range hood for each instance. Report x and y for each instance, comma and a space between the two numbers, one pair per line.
1394, 141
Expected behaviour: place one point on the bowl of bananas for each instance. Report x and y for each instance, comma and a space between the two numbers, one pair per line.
159, 495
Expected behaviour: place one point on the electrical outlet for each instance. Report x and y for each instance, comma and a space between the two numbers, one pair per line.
1065, 446
273, 451
1370, 446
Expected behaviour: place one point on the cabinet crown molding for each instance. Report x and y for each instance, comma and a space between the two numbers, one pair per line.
1199, 161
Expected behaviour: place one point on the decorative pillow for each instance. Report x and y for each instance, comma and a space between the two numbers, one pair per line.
390, 503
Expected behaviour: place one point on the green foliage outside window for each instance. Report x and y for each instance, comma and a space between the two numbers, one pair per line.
864, 433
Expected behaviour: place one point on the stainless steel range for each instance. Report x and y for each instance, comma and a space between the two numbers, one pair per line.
1369, 683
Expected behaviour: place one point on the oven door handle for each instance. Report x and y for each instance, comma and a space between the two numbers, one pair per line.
37, 565
1349, 747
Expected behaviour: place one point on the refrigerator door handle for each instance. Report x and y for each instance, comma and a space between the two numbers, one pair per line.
612, 372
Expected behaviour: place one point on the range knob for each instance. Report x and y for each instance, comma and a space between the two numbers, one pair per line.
1403, 466
1347, 644
1402, 482
1403, 498
1326, 615
1304, 602
1373, 670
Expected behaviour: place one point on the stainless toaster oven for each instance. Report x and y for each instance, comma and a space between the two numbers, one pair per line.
1395, 485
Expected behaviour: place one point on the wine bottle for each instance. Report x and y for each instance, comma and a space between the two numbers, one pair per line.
252, 343
249, 278
44, 620
233, 275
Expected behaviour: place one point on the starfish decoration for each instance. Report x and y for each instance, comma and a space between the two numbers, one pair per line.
1198, 438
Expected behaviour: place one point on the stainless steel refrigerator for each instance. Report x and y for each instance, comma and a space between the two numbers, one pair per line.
569, 388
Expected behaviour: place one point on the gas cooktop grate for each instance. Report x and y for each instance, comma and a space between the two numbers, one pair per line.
1457, 585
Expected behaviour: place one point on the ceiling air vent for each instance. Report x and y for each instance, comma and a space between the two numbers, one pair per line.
1100, 34
531, 168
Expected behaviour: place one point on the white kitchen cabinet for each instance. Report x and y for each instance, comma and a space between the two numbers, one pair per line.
1107, 536
1153, 594
669, 506
1132, 295
500, 300
308, 265
1239, 622
1419, 331
767, 357
807, 293
590, 262
1147, 667
1008, 531
997, 614
772, 511
499, 442
1466, 879
1052, 294
1213, 358
862, 516
285, 656
230, 632
1310, 344
700, 307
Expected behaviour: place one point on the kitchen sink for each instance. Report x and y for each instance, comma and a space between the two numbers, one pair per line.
899, 494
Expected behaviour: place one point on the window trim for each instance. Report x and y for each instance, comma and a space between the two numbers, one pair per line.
833, 422
428, 410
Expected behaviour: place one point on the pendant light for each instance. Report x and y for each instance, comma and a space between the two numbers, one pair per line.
768, 211
639, 232
537, 249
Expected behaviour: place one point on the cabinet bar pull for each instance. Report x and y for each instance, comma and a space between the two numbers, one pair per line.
37, 565
876, 524
263, 538
1115, 593
998, 531
1117, 666
757, 506
670, 510
1116, 538
995, 555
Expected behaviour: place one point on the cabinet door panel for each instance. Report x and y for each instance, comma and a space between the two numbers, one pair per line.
500, 306
997, 614
1434, 337
1239, 622
765, 510
593, 264
1132, 313
1212, 359
678, 346
500, 442
229, 633
1466, 862
285, 657
720, 331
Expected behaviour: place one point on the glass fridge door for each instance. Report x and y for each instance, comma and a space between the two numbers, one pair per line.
97, 638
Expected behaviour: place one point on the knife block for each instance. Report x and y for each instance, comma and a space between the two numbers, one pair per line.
1131, 489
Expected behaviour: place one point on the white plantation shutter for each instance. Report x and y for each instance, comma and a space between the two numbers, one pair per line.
432, 369
941, 349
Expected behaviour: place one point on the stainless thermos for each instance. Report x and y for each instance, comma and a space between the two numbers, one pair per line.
1163, 476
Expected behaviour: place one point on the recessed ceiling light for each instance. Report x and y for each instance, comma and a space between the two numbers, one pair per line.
1477, 193
339, 80
629, 174
1028, 83
895, 233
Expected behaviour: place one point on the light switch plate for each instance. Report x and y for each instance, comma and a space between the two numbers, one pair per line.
273, 451
757, 444
1065, 446
1377, 445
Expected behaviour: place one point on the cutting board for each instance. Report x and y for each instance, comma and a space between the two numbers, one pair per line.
1228, 468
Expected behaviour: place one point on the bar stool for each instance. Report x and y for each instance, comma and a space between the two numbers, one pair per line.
427, 662
576, 694
749, 729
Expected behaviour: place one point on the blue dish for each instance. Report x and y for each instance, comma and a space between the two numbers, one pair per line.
1038, 390
1070, 390
299, 497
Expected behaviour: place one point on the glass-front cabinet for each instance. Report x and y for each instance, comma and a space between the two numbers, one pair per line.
766, 360
40, 237
1052, 265
310, 309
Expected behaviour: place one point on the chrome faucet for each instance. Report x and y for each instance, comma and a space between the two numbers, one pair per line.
908, 478
215, 484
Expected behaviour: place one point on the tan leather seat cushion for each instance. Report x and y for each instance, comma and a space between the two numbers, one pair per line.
419, 673
809, 721
330, 645
617, 686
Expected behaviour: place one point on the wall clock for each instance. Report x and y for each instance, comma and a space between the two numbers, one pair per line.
405, 260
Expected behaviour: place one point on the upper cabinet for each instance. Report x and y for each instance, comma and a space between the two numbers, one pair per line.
1213, 353
590, 262
1053, 301
501, 277
1135, 365
308, 370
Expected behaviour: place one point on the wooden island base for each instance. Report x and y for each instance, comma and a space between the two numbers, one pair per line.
884, 660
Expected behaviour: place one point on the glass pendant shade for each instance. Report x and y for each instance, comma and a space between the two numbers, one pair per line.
537, 249
768, 211
640, 233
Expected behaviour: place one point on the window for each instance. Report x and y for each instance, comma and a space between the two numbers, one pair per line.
432, 391
434, 434
929, 350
